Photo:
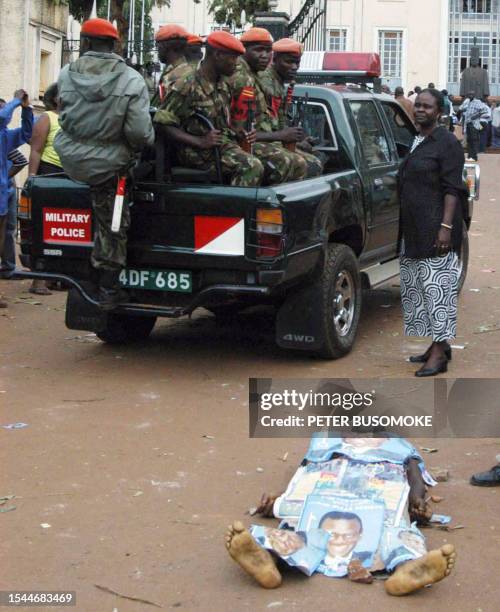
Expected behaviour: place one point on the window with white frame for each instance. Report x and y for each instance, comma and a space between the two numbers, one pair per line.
390, 48
476, 6
337, 39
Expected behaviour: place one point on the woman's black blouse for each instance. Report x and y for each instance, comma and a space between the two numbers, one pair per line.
433, 170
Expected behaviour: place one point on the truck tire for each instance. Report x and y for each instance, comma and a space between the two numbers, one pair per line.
122, 329
463, 257
340, 306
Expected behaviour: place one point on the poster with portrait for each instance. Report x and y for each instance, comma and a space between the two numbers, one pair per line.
345, 527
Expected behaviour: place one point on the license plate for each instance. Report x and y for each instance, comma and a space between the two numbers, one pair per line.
157, 280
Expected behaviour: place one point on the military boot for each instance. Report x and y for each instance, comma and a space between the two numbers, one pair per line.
111, 294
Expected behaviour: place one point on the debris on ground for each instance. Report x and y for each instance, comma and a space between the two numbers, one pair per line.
45, 525
4, 500
259, 469
436, 499
252, 511
475, 290
429, 450
442, 519
458, 347
130, 597
15, 426
285, 457
208, 437
483, 329
440, 474
452, 528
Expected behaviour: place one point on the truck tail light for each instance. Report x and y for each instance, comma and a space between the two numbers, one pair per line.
269, 232
24, 206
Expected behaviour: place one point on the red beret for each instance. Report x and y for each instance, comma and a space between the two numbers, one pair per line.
288, 45
171, 32
194, 39
99, 28
257, 35
225, 42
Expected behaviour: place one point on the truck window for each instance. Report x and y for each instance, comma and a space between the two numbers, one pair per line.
317, 123
373, 139
401, 127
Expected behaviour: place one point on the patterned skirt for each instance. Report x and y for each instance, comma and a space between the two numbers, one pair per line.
429, 294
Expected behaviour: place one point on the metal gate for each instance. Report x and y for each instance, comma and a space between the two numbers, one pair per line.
309, 27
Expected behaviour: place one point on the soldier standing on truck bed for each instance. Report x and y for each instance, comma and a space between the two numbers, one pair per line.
248, 98
286, 61
205, 92
105, 122
172, 41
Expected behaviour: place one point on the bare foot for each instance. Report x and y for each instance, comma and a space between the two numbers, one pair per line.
413, 575
254, 559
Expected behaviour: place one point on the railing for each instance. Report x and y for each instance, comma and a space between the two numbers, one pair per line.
309, 27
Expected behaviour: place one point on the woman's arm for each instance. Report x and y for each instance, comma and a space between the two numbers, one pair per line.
38, 140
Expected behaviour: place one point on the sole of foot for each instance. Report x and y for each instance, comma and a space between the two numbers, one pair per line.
255, 560
414, 575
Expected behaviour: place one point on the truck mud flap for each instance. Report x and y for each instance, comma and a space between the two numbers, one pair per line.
82, 315
297, 321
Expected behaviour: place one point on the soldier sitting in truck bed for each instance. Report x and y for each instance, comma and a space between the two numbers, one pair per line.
286, 61
247, 95
204, 91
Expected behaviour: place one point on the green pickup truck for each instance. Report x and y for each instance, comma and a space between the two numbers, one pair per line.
309, 248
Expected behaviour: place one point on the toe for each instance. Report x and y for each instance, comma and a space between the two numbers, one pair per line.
238, 526
447, 549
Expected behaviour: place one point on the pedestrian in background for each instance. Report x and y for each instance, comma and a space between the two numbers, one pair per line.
416, 90
11, 139
495, 126
473, 112
431, 190
17, 162
43, 157
399, 96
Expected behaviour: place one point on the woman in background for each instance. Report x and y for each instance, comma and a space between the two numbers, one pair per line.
43, 157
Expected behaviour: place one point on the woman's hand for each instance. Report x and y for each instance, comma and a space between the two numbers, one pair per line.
443, 241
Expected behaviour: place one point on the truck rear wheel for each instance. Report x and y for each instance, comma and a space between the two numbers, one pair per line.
340, 306
122, 328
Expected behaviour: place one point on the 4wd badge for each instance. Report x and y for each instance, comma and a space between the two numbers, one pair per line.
67, 226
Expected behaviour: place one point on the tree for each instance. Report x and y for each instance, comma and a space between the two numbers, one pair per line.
228, 12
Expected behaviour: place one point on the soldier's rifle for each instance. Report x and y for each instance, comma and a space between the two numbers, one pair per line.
218, 163
249, 125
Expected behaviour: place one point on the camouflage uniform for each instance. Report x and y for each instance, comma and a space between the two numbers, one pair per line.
195, 93
110, 248
177, 69
275, 93
280, 164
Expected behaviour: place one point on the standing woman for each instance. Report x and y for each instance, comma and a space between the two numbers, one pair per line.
43, 158
431, 192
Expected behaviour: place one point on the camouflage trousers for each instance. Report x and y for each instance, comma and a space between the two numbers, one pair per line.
243, 169
110, 248
280, 164
314, 164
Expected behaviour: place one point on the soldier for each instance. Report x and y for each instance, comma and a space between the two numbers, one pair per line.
104, 119
194, 53
286, 62
172, 43
280, 165
205, 91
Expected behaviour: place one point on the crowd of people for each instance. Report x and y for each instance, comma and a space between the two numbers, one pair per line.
478, 118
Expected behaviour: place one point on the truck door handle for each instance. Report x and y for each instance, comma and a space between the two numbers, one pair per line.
378, 183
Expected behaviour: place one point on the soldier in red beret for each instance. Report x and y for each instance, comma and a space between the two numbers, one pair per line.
204, 90
172, 43
286, 61
105, 123
280, 165
194, 52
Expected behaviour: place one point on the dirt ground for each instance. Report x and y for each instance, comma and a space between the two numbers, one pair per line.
139, 457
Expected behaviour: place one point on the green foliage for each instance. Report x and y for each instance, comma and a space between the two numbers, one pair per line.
228, 12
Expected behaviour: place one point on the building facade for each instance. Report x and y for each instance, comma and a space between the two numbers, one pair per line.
419, 41
31, 38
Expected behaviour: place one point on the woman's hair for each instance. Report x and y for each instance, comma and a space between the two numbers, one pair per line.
437, 95
50, 97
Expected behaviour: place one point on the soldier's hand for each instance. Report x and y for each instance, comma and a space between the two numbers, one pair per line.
211, 139
292, 134
305, 145
251, 137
